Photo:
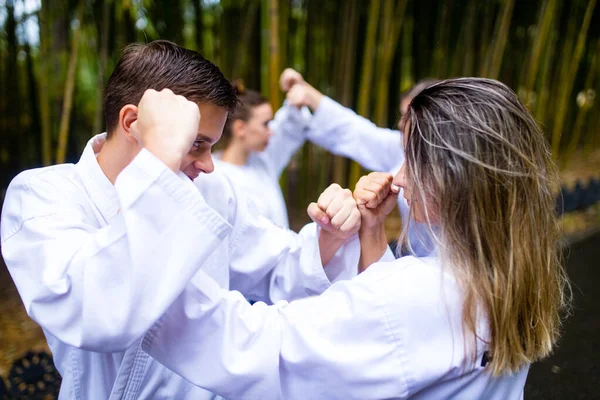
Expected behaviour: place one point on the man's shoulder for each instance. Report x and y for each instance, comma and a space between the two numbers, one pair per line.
54, 174
36, 192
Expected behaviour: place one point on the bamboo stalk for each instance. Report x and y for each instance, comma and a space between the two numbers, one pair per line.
484, 44
543, 87
364, 92
469, 61
274, 61
199, 25
347, 75
594, 131
407, 79
63, 132
102, 38
582, 112
240, 68
544, 24
264, 48
44, 87
459, 52
567, 86
391, 27
368, 58
438, 67
501, 35
284, 17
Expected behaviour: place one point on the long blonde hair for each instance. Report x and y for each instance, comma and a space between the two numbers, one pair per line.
480, 162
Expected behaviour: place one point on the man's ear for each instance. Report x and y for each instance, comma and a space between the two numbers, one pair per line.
238, 129
127, 117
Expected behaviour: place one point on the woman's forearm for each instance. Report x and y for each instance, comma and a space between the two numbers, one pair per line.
373, 244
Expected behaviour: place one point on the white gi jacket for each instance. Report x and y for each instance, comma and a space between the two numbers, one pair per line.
96, 265
259, 177
393, 332
343, 132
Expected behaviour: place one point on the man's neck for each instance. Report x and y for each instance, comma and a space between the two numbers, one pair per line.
113, 158
235, 154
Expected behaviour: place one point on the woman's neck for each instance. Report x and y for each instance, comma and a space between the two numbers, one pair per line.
235, 154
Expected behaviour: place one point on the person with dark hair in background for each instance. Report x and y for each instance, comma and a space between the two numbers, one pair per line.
258, 149
100, 249
343, 132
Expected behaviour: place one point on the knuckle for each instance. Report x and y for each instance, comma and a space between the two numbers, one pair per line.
321, 203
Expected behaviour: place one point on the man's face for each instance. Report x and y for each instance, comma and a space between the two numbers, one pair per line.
199, 159
256, 129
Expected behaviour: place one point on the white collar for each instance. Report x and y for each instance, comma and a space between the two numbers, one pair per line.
98, 186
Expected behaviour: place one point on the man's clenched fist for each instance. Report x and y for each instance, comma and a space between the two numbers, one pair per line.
166, 125
336, 212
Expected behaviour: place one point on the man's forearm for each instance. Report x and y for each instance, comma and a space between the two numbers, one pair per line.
329, 244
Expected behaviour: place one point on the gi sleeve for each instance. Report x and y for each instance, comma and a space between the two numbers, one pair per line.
343, 132
335, 346
270, 263
289, 127
101, 289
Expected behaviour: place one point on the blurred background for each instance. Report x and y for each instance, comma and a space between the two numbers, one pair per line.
56, 56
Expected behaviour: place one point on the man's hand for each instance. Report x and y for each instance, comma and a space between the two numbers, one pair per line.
289, 77
166, 125
336, 212
375, 197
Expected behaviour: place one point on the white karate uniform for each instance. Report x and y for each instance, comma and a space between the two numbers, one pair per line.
393, 332
343, 132
97, 264
259, 177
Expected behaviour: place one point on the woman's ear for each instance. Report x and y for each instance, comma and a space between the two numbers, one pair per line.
238, 128
127, 117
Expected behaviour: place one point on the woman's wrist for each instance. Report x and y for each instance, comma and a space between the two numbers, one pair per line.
373, 245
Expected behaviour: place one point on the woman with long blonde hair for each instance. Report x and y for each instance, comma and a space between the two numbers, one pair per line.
463, 323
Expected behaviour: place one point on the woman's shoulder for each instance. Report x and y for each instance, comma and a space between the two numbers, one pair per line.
409, 268
414, 284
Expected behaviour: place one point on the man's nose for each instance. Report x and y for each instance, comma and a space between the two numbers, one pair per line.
205, 164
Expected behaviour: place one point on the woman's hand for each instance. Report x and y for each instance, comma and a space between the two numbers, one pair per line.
375, 197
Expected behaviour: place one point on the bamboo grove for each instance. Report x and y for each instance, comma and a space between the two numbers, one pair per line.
55, 58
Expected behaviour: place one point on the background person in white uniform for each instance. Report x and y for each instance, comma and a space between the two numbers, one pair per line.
343, 132
100, 249
464, 323
259, 148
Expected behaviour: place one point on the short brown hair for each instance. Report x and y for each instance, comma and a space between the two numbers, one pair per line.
162, 64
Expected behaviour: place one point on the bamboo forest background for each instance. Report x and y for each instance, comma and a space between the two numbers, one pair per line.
55, 58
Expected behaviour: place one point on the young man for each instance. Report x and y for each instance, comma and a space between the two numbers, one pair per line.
100, 249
